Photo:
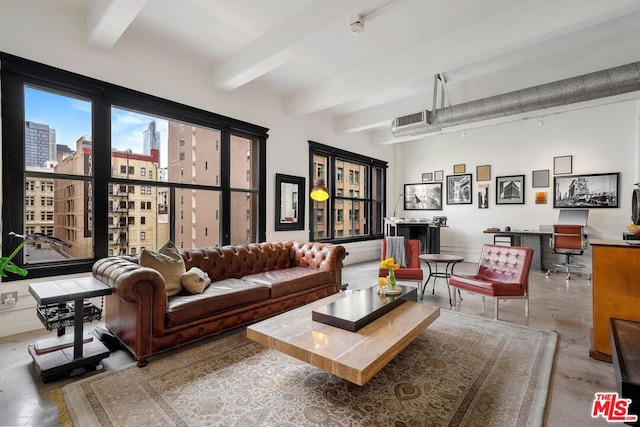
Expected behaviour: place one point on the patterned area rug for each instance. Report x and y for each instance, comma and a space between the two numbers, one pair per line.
462, 370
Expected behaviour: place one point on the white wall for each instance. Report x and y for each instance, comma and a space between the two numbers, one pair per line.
600, 139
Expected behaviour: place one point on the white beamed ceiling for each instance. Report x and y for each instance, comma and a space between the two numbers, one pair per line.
302, 50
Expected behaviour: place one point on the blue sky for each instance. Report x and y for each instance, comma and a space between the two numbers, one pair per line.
71, 118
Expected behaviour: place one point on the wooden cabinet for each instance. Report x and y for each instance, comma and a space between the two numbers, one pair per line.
625, 345
616, 290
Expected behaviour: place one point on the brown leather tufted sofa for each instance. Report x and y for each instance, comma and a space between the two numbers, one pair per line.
249, 282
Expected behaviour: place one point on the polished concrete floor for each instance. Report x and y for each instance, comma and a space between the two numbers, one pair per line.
555, 304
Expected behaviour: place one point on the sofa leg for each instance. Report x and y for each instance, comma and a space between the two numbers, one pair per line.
142, 363
497, 299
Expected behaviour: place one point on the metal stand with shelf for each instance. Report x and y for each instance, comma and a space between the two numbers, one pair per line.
61, 304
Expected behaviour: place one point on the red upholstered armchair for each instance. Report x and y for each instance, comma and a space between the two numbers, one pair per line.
503, 273
412, 271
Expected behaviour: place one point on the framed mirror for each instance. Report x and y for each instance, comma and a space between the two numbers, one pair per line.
290, 197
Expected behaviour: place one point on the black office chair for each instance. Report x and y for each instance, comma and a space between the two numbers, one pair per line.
568, 240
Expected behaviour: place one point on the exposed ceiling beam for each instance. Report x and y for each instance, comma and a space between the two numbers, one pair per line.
530, 24
281, 44
107, 20
480, 82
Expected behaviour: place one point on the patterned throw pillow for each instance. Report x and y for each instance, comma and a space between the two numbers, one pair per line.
169, 263
195, 280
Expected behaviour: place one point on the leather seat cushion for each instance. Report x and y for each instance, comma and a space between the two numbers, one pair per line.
403, 273
484, 286
217, 297
290, 280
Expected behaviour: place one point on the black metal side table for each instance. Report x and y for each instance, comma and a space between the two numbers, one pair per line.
449, 260
53, 357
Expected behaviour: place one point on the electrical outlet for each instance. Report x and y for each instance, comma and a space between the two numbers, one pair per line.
9, 298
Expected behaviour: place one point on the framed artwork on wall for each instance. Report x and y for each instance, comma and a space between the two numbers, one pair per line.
541, 197
483, 173
427, 177
510, 190
483, 196
423, 196
461, 168
459, 189
540, 178
438, 175
563, 165
598, 190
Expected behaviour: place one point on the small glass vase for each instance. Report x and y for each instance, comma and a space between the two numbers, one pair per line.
392, 279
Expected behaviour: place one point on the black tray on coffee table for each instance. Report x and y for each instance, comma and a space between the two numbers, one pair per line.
361, 308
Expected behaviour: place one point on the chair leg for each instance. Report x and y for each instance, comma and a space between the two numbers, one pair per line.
482, 304
497, 299
526, 305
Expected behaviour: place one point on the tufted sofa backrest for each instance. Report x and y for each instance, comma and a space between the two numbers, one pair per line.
236, 261
505, 264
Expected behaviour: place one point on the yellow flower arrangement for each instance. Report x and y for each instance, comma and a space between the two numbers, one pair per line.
390, 265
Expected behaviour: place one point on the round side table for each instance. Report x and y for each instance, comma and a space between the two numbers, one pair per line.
435, 259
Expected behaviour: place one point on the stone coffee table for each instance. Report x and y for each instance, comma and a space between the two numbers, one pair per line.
353, 356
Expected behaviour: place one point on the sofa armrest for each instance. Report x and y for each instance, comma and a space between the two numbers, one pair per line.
321, 256
133, 283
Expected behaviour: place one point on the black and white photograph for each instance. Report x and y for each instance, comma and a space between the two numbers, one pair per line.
427, 197
483, 196
586, 191
510, 190
459, 189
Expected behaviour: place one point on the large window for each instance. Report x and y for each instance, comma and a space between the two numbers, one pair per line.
355, 208
105, 170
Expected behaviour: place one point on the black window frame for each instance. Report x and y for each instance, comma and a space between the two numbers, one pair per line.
16, 72
329, 220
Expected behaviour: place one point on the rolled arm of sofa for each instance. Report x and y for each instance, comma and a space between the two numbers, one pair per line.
132, 282
323, 256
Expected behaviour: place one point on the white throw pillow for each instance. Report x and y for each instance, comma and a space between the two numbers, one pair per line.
195, 280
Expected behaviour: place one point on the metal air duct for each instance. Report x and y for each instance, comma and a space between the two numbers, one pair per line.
600, 84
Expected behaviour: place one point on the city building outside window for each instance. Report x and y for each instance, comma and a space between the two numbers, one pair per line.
79, 179
362, 195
